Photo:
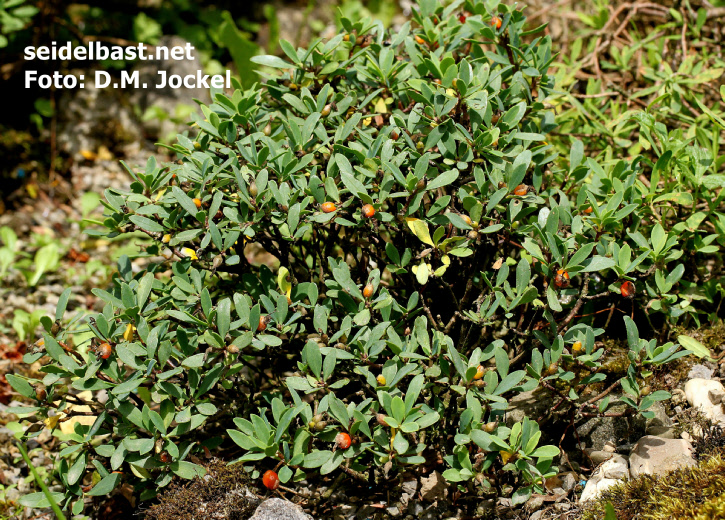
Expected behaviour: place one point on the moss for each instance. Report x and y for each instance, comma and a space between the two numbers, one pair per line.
219, 494
696, 493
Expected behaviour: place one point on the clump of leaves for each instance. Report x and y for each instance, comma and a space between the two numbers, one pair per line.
408, 327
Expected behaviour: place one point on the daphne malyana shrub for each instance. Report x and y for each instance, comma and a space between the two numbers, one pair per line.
430, 261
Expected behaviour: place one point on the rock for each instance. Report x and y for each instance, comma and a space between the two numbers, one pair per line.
666, 432
433, 487
568, 480
92, 117
594, 488
598, 431
409, 488
700, 372
707, 395
278, 509
600, 456
617, 467
531, 404
605, 476
655, 455
610, 447
659, 420
535, 503
394, 511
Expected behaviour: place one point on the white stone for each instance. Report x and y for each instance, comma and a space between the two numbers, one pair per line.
655, 455
707, 395
605, 476
616, 467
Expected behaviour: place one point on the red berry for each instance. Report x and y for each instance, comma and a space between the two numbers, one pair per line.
462, 18
521, 190
368, 211
105, 350
343, 440
480, 371
270, 479
561, 280
496, 22
328, 207
263, 320
627, 289
368, 290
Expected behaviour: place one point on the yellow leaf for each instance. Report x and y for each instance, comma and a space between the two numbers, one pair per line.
284, 285
380, 106
420, 230
104, 154
51, 422
88, 155
190, 253
160, 194
128, 334
422, 273
506, 456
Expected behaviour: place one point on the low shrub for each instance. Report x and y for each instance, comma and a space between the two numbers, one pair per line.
432, 258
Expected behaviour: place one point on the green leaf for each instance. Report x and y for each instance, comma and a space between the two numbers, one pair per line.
316, 458
547, 452
444, 179
272, 61
598, 263
694, 346
187, 470
147, 224
46, 259
20, 385
39, 500
105, 486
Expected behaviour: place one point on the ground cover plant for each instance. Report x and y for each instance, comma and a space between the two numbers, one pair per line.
435, 256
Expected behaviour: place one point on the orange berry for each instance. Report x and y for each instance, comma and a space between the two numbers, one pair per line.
263, 320
105, 350
521, 190
40, 393
496, 22
480, 371
561, 280
627, 289
197, 203
270, 479
588, 210
577, 346
394, 135
343, 440
368, 211
328, 207
420, 40
368, 290
165, 457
